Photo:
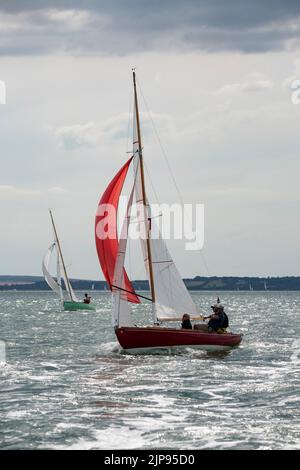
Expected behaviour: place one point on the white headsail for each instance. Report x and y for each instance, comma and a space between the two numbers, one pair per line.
121, 309
52, 283
61, 273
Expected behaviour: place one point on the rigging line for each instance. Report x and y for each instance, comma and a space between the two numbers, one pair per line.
130, 292
169, 166
161, 146
151, 183
129, 258
129, 222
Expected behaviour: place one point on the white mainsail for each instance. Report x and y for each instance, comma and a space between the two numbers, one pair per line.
171, 295
69, 290
55, 284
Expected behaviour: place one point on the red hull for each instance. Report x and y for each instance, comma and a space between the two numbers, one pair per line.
156, 337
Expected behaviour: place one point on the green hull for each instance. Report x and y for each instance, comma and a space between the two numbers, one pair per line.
69, 305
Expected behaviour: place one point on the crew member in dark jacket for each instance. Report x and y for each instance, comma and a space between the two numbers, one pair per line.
218, 319
186, 322
87, 299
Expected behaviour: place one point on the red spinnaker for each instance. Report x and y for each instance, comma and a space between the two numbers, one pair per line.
106, 236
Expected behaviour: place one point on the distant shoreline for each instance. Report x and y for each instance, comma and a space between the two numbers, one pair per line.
198, 283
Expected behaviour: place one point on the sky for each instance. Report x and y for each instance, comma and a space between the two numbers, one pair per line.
215, 79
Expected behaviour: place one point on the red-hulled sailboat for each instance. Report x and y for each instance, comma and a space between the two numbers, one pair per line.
169, 296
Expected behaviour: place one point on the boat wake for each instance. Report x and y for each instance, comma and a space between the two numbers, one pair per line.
108, 349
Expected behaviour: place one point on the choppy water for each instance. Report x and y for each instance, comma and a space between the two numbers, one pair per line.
66, 385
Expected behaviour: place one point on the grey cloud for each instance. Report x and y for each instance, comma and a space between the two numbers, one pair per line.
124, 26
78, 136
89, 135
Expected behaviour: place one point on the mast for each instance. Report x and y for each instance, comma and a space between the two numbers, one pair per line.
151, 277
61, 256
58, 279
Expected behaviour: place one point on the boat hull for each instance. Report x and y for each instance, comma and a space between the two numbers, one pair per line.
143, 338
72, 306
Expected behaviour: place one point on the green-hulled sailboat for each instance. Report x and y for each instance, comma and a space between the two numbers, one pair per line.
67, 296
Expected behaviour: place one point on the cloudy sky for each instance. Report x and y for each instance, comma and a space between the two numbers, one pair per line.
216, 77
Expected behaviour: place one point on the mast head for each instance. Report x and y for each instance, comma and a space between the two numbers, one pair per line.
133, 74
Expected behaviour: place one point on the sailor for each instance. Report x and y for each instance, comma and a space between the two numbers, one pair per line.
224, 316
87, 299
218, 320
186, 322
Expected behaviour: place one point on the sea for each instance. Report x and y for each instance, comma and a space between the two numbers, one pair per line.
66, 384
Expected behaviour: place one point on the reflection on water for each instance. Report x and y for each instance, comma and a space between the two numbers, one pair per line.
217, 354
